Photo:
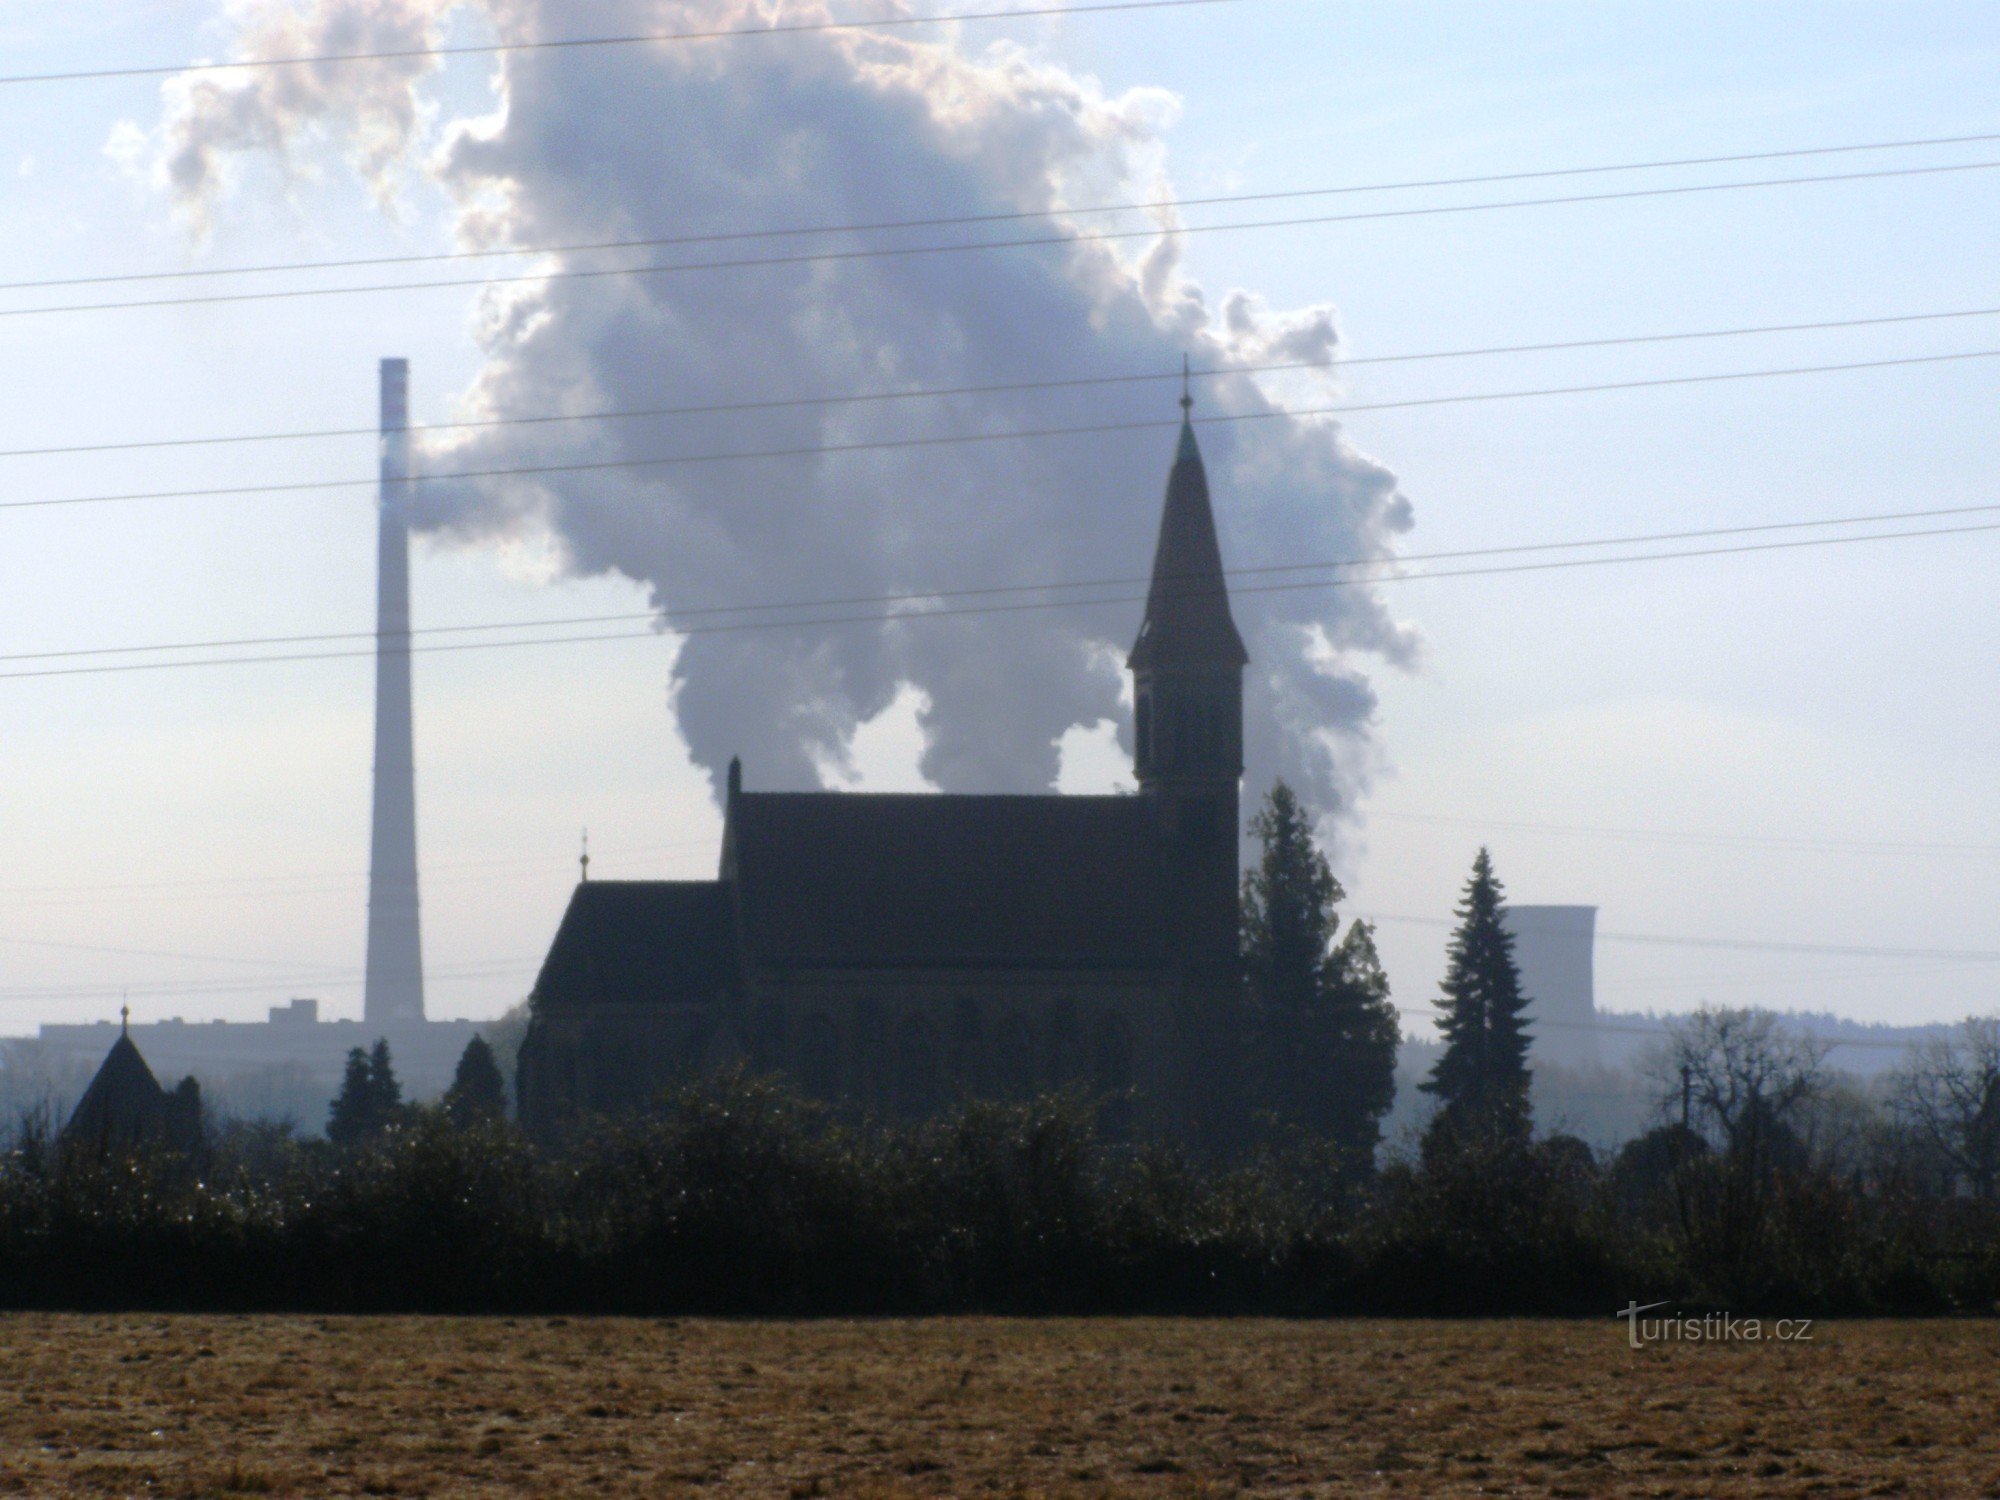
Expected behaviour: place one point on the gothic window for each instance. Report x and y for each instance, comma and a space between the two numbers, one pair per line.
1111, 1074
1064, 1064
869, 1080
917, 1091
1013, 1059
819, 1057
968, 1060
767, 1037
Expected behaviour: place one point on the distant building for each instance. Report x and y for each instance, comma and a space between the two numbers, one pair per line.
894, 952
288, 1065
1553, 947
125, 1108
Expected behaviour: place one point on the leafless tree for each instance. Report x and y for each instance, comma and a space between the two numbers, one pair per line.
1948, 1093
1743, 1078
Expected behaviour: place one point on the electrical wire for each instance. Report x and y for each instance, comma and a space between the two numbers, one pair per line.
828, 257
912, 616
188, 273
1095, 429
1126, 581
555, 44
1821, 325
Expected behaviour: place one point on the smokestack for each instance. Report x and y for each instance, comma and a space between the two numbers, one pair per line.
394, 989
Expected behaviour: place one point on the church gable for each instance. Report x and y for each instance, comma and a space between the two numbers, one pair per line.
647, 942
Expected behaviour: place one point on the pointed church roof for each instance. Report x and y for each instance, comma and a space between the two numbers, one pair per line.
1187, 608
124, 1100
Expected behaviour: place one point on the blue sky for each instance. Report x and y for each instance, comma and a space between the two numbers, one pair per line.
1838, 698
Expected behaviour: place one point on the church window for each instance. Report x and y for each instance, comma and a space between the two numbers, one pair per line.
1013, 1059
968, 1054
1111, 1073
819, 1058
917, 1091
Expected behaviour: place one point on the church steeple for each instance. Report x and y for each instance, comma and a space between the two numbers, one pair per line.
1188, 623
1187, 685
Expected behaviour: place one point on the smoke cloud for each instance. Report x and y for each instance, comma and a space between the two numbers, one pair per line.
831, 129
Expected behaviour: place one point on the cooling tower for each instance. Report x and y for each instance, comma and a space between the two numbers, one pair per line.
394, 989
1552, 948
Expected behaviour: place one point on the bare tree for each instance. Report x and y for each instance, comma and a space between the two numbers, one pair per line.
1948, 1093
1743, 1078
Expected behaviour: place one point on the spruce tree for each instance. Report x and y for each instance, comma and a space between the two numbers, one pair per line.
1324, 1032
369, 1097
353, 1116
1481, 1081
477, 1091
388, 1093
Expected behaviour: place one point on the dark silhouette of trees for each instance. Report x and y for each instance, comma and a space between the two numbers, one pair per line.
369, 1100
476, 1092
1481, 1081
1324, 1029
1948, 1096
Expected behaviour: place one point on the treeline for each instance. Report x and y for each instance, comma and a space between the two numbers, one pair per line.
737, 1198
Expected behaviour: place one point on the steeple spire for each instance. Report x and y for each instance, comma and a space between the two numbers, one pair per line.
1188, 623
1187, 393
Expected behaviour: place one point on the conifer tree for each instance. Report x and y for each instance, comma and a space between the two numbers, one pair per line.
1325, 1032
369, 1097
352, 1117
477, 1091
382, 1082
1481, 1081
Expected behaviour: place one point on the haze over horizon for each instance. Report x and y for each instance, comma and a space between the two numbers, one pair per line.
1790, 750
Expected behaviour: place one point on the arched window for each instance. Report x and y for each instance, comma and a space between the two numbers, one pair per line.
819, 1057
767, 1037
868, 1081
1013, 1059
917, 1090
1111, 1074
968, 1056
1065, 1064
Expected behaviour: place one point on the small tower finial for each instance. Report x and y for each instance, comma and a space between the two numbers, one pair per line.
1187, 391
124, 1013
583, 860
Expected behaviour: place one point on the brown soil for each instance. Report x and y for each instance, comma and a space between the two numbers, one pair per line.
203, 1406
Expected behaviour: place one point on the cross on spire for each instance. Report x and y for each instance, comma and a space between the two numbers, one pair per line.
1187, 392
583, 860
124, 1017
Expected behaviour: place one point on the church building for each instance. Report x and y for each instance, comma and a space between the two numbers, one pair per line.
893, 953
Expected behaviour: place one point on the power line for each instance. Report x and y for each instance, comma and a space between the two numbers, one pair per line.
1716, 840
823, 450
491, 49
1126, 581
1821, 325
901, 617
961, 220
344, 980
826, 257
1746, 945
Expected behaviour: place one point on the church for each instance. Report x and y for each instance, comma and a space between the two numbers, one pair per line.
893, 953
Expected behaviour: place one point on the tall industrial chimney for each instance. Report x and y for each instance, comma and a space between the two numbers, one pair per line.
394, 989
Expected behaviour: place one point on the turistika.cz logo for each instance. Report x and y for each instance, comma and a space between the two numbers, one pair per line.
1709, 1328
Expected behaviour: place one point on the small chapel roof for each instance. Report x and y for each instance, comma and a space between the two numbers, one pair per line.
124, 1102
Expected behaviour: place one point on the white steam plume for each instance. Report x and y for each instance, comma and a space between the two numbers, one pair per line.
644, 141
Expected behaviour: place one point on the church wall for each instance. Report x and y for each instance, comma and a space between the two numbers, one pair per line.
907, 1045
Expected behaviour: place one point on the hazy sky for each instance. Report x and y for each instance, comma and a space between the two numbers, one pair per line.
1791, 749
